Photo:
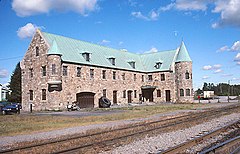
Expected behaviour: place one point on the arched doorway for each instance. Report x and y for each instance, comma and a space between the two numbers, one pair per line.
85, 99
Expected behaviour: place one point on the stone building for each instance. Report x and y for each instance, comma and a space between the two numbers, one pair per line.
57, 70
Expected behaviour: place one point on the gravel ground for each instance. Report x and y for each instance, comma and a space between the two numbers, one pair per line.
8, 140
165, 140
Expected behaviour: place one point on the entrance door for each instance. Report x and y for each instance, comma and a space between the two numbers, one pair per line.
129, 96
168, 95
85, 99
114, 97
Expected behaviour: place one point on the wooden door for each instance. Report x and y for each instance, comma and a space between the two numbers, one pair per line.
114, 97
168, 95
85, 99
129, 96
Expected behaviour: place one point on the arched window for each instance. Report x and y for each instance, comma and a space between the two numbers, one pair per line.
181, 92
37, 51
187, 92
187, 75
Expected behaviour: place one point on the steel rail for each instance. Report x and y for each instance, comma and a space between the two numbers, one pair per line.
119, 129
181, 147
228, 143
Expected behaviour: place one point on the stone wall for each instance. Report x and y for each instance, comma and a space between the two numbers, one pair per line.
71, 84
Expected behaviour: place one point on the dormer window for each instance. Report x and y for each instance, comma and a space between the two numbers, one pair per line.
158, 65
112, 60
86, 56
133, 64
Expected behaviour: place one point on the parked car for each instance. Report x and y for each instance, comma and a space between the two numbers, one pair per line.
11, 108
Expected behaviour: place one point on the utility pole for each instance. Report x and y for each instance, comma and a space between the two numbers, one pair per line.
228, 89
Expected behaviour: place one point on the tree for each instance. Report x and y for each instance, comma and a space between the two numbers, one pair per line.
15, 85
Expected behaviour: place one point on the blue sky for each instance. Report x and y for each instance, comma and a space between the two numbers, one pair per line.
209, 28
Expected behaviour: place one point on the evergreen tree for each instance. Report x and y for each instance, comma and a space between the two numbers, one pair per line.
15, 85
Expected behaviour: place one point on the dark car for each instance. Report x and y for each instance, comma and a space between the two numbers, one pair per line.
11, 108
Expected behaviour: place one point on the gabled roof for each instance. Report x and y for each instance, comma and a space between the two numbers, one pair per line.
183, 54
71, 51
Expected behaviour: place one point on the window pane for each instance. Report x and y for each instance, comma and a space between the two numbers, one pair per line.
91, 73
78, 71
43, 94
64, 70
104, 74
43, 70
53, 69
162, 77
181, 92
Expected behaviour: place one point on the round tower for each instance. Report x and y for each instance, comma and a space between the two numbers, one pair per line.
54, 76
183, 76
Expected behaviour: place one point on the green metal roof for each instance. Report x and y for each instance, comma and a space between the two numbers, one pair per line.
183, 54
71, 51
54, 49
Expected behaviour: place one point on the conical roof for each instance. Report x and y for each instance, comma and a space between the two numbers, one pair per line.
54, 49
183, 54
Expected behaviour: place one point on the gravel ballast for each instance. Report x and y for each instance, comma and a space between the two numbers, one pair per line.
166, 140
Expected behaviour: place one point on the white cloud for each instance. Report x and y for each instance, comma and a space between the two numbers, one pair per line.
227, 75
229, 10
27, 31
218, 71
237, 58
104, 42
238, 63
224, 48
186, 5
168, 7
216, 66
120, 43
207, 67
32, 7
205, 77
153, 15
152, 50
236, 46
3, 73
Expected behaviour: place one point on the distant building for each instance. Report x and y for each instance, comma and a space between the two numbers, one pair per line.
57, 70
208, 94
4, 91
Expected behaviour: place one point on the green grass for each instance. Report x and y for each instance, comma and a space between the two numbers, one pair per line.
25, 124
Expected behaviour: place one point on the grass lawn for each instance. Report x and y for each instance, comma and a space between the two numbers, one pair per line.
26, 124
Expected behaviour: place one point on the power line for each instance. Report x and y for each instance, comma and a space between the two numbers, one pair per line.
2, 59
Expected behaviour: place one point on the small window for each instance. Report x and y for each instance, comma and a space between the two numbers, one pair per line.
114, 75
187, 75
158, 65
44, 95
104, 74
112, 60
150, 78
187, 92
162, 77
134, 77
30, 72
104, 93
65, 70
181, 92
133, 64
31, 95
86, 56
53, 69
124, 94
44, 71
158, 93
91, 73
135, 93
142, 78
37, 51
78, 71
123, 76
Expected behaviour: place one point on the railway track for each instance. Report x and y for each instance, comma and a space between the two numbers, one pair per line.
228, 136
105, 140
